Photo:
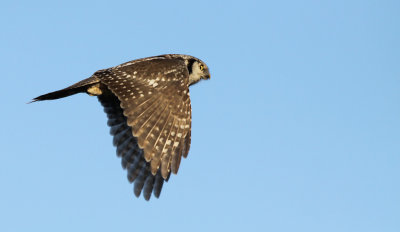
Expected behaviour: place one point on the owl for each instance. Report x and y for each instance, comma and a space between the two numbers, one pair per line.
147, 103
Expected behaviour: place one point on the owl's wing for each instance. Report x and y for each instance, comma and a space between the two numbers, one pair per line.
128, 149
154, 98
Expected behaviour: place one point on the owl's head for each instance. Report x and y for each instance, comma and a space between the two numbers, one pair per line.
197, 70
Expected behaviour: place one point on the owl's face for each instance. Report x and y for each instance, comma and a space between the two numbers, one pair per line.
197, 70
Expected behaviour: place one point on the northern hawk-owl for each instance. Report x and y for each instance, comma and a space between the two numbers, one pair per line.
148, 108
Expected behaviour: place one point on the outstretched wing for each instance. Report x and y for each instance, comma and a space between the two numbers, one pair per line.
128, 149
154, 97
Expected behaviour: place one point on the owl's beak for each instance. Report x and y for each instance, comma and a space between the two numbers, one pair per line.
207, 76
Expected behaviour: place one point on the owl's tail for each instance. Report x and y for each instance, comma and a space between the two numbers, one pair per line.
80, 87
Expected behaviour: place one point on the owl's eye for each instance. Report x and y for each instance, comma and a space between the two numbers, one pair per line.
201, 67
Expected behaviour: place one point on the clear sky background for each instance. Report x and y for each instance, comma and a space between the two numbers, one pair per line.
297, 130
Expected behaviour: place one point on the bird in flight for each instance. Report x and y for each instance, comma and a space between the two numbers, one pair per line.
147, 103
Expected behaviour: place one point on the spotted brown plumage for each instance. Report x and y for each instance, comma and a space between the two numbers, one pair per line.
147, 103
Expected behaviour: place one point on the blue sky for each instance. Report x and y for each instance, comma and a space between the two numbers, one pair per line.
297, 130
